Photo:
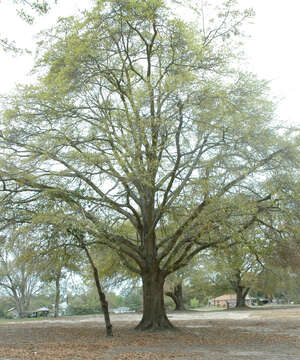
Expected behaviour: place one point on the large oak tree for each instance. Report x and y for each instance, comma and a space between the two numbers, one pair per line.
138, 118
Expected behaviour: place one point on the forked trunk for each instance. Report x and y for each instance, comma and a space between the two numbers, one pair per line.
241, 297
22, 304
154, 314
177, 297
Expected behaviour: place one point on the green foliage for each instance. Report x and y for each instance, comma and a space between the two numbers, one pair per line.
84, 304
6, 303
19, 273
133, 299
169, 303
115, 301
29, 8
88, 303
281, 283
194, 302
41, 299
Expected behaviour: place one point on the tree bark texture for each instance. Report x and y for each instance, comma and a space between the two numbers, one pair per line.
154, 314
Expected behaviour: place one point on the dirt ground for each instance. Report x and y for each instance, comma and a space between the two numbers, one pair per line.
268, 333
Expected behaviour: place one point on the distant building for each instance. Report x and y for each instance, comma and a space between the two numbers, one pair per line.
228, 300
41, 312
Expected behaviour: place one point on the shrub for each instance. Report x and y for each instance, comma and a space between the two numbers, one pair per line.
194, 302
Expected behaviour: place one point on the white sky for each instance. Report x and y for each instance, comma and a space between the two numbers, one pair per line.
273, 49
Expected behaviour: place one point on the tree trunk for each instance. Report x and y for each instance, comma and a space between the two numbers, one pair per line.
20, 309
57, 295
21, 304
103, 302
154, 314
176, 296
101, 294
241, 297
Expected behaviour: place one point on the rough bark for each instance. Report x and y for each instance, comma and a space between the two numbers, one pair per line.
154, 314
177, 297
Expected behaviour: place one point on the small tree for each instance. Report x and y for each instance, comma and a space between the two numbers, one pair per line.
19, 276
63, 255
54, 265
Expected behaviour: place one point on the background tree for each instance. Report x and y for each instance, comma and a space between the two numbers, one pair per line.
203, 282
282, 228
236, 268
133, 296
138, 115
19, 277
281, 284
6, 304
173, 289
175, 284
55, 264
66, 244
237, 271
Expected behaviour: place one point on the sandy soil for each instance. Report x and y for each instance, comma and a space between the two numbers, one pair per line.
266, 333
